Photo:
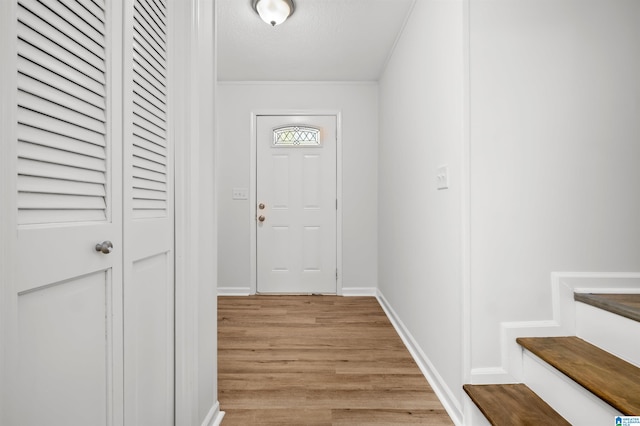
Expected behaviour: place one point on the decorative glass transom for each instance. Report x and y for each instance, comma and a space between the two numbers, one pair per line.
296, 136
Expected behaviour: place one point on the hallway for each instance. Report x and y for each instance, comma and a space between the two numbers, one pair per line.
317, 360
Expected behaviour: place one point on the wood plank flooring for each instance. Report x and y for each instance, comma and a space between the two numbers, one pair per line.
317, 360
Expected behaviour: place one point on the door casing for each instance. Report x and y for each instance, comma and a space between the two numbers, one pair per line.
253, 188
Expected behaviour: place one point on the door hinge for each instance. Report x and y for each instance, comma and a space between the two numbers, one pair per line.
336, 274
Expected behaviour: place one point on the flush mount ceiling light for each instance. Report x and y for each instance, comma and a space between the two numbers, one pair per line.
273, 12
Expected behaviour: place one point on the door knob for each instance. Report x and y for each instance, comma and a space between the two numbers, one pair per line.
261, 206
261, 218
105, 247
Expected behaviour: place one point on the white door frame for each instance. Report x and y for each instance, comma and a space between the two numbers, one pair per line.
194, 97
252, 188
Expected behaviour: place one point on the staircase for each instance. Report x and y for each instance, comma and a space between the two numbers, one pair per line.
588, 379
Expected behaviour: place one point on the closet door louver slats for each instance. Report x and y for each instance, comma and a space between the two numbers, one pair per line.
150, 74
55, 51
73, 75
58, 111
140, 100
61, 142
91, 52
154, 122
149, 155
145, 81
150, 144
95, 10
88, 13
148, 51
158, 12
62, 134
45, 76
143, 163
72, 12
63, 158
146, 178
37, 120
61, 172
155, 29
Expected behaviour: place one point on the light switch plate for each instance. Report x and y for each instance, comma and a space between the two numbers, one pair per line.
240, 194
442, 177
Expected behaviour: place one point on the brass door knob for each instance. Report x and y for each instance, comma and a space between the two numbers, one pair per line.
261, 206
261, 218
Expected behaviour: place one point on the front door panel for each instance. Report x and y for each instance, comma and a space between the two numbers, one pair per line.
296, 212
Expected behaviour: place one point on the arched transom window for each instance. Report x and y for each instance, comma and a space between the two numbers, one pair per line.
294, 136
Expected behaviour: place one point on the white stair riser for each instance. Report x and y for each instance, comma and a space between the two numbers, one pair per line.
472, 414
572, 401
608, 331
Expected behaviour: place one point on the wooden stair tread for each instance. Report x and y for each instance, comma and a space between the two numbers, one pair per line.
626, 305
612, 379
513, 404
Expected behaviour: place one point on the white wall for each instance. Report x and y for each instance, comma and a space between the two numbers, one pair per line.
555, 145
358, 103
554, 137
420, 250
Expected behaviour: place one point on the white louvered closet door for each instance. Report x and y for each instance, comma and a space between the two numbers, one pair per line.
69, 177
148, 219
95, 338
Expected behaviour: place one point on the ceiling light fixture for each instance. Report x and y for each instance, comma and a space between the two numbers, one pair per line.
273, 12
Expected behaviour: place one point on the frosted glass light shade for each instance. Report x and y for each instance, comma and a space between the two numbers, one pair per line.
273, 12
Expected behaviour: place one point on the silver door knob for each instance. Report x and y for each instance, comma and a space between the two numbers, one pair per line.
105, 247
261, 218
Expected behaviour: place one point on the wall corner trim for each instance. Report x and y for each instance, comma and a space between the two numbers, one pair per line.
442, 391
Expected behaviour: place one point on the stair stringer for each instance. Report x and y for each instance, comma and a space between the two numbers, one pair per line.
563, 323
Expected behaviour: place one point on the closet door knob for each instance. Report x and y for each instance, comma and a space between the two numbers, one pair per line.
261, 218
105, 247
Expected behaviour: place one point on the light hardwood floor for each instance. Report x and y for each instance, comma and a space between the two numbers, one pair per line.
317, 360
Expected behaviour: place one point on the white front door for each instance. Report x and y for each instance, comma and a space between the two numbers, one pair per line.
93, 339
296, 204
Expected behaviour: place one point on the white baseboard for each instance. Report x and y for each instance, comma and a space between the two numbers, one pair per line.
563, 323
234, 291
360, 291
214, 416
346, 291
437, 383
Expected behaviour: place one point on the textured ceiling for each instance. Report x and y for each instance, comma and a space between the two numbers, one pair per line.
324, 40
